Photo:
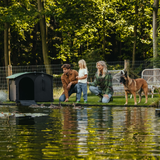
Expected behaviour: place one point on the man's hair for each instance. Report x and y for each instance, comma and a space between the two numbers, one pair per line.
68, 66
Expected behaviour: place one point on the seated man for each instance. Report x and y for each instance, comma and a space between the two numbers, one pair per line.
69, 82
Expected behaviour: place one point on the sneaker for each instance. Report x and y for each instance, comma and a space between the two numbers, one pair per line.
100, 96
111, 99
77, 101
85, 101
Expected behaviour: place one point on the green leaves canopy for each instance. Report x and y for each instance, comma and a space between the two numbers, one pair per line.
90, 29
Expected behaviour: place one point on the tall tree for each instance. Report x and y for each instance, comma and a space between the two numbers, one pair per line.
43, 37
135, 36
155, 12
7, 58
6, 38
89, 29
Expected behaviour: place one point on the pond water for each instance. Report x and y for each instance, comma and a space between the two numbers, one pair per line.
92, 133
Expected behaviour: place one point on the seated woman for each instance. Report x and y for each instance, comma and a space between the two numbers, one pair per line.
102, 84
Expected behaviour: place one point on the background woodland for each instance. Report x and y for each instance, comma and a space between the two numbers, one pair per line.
35, 32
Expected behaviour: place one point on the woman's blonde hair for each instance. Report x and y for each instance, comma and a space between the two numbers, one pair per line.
83, 62
102, 63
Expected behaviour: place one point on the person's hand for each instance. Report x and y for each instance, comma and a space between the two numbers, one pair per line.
69, 85
87, 82
77, 77
106, 95
66, 100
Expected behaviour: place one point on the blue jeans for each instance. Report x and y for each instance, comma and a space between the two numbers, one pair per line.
73, 89
82, 87
97, 91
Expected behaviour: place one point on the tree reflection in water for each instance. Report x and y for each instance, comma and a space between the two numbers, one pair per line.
89, 133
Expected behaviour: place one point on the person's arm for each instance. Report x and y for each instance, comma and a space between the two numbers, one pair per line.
95, 82
84, 76
75, 81
64, 84
108, 83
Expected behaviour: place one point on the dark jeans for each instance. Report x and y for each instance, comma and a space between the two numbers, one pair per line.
73, 89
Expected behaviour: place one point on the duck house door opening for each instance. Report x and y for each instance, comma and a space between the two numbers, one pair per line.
26, 89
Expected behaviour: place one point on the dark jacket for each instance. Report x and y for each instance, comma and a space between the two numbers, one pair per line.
104, 83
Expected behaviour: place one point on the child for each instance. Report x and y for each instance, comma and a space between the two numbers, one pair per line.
82, 81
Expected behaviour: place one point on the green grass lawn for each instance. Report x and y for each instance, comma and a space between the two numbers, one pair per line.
117, 100
93, 100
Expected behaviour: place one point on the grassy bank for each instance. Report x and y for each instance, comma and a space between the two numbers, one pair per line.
93, 100
117, 101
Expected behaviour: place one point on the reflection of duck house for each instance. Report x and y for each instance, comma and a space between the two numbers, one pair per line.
31, 86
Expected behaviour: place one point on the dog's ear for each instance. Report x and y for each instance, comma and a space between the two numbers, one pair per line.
126, 74
121, 72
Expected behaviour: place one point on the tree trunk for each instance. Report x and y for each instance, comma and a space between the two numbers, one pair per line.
155, 11
6, 43
103, 33
155, 33
6, 59
34, 60
126, 66
43, 37
135, 39
9, 46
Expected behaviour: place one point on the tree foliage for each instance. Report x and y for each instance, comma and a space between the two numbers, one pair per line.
89, 29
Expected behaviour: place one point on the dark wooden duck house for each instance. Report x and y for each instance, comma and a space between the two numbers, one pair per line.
31, 86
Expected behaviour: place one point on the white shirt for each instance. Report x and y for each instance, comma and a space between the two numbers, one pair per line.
81, 73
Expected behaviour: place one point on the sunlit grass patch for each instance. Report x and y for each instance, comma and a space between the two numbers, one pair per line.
57, 92
117, 100
93, 100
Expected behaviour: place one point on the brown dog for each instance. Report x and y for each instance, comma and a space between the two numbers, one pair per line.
134, 85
